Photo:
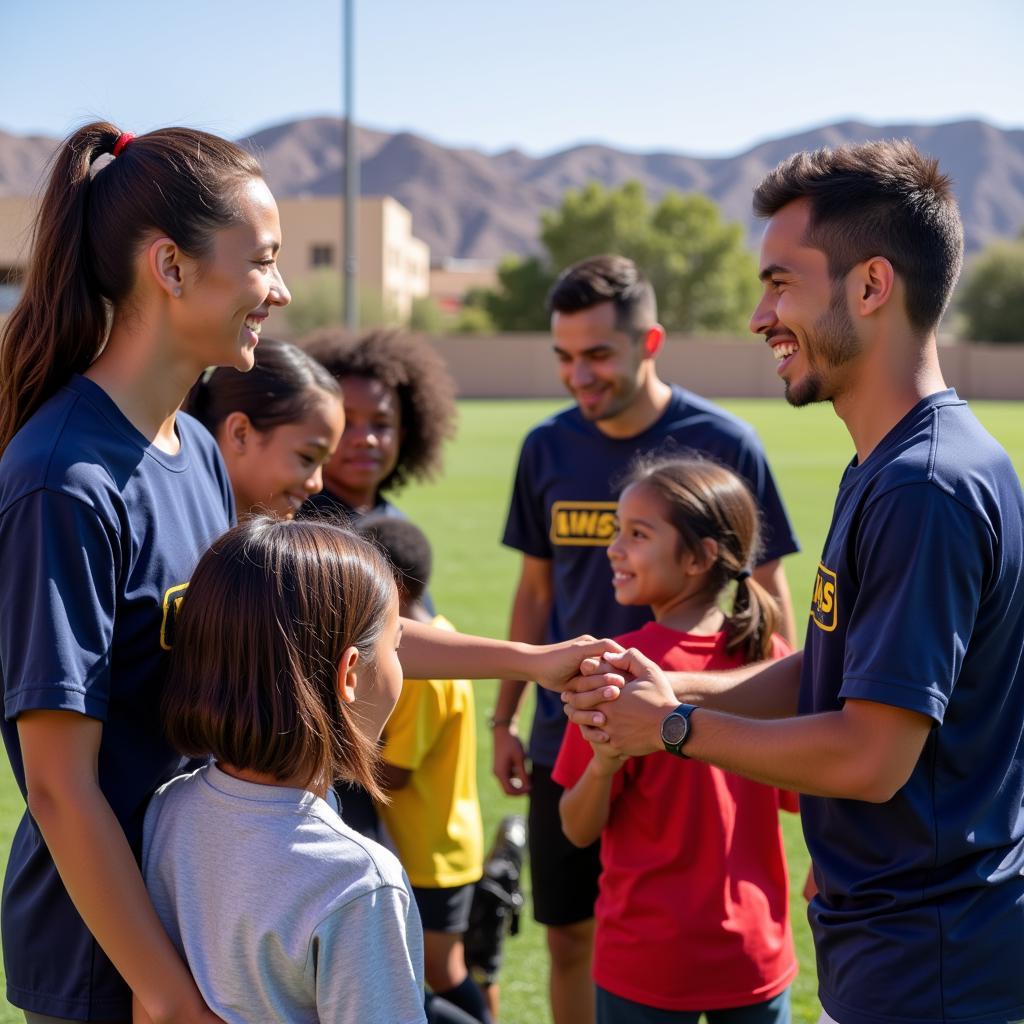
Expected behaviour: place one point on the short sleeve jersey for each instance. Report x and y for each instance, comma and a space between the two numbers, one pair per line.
434, 819
99, 534
693, 910
283, 913
563, 508
919, 604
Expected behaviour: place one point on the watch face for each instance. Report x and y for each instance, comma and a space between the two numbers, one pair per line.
674, 729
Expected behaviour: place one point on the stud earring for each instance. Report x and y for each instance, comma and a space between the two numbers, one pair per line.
177, 293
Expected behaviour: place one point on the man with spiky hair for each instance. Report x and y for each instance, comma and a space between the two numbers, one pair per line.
902, 720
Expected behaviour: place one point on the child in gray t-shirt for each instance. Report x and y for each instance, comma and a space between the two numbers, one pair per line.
282, 912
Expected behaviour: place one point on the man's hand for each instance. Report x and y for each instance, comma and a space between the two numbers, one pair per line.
630, 723
557, 664
510, 761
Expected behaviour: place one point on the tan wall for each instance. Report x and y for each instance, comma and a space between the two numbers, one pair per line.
523, 366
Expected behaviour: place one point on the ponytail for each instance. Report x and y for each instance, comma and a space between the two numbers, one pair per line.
755, 617
60, 322
90, 226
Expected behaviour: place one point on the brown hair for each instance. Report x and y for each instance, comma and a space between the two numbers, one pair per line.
418, 375
91, 222
265, 621
608, 278
877, 199
283, 386
704, 499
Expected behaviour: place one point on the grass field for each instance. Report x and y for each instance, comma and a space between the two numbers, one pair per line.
474, 577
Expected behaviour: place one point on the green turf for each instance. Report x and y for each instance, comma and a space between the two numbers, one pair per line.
474, 577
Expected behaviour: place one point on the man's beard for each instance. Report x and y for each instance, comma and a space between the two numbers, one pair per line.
832, 341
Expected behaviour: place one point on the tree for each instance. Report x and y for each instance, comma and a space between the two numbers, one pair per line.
425, 316
991, 301
703, 274
317, 301
518, 302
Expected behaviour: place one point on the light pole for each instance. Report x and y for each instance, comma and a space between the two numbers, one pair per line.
351, 205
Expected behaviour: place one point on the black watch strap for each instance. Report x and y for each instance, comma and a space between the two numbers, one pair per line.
675, 729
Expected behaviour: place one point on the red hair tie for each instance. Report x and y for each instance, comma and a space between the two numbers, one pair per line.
122, 140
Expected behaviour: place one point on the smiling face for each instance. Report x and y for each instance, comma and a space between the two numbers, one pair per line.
649, 564
370, 444
601, 365
278, 469
228, 294
803, 314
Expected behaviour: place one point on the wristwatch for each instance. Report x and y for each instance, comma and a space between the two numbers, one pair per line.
675, 729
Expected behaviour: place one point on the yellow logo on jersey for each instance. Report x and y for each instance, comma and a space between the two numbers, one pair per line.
823, 603
583, 523
172, 605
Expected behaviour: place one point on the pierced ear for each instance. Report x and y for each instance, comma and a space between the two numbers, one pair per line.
347, 675
164, 262
875, 285
653, 340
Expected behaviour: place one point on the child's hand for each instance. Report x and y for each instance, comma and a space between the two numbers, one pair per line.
606, 761
553, 665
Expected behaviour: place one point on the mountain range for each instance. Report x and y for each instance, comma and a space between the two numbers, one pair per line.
469, 204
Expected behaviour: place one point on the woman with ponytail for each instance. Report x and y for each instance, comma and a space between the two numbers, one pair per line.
153, 258
692, 915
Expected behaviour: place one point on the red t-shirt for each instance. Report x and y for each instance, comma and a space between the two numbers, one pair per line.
693, 911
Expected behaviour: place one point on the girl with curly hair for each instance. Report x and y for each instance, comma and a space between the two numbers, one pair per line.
399, 410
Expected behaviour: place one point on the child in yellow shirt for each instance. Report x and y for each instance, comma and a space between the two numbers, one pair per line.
429, 753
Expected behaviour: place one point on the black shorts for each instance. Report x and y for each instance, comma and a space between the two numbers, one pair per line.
444, 910
564, 876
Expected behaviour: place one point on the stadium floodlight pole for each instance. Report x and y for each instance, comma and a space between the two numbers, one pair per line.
351, 205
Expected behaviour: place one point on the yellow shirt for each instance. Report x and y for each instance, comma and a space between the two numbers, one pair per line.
434, 819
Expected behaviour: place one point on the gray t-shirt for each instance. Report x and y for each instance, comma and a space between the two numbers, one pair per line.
281, 910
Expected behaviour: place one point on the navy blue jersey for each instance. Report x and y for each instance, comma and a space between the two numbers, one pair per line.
99, 534
563, 509
919, 604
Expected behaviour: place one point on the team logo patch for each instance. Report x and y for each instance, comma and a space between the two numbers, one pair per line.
172, 606
583, 523
823, 603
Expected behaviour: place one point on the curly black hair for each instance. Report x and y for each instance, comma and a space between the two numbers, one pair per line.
425, 389
406, 546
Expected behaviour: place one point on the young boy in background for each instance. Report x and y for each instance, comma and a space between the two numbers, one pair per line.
429, 752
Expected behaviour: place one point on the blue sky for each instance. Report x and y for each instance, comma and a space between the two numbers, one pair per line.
686, 76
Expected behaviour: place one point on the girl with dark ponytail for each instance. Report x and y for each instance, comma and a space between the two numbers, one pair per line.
153, 258
694, 894
276, 426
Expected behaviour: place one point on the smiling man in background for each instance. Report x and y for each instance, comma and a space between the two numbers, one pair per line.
606, 336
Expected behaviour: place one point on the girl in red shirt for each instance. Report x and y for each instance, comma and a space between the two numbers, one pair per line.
692, 915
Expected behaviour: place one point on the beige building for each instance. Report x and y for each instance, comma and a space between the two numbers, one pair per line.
15, 239
453, 279
393, 265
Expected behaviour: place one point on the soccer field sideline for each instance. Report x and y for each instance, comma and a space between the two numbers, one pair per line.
463, 515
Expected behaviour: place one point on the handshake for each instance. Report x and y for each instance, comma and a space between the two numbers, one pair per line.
618, 697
